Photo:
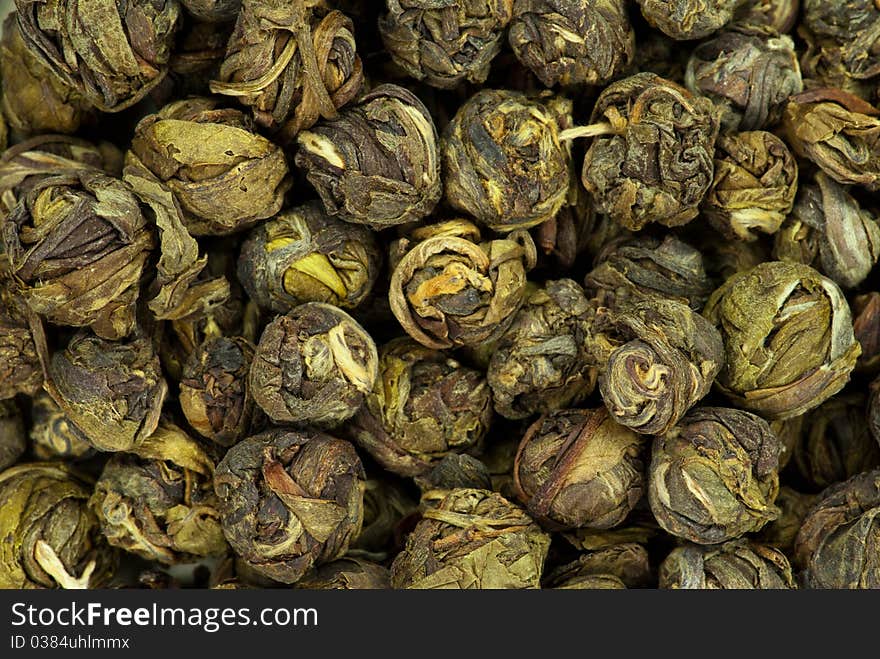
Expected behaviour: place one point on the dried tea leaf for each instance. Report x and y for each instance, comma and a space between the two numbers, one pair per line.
652, 159
472, 539
158, 501
51, 539
423, 407
735, 565
292, 63
715, 476
839, 132
578, 468
449, 290
504, 164
290, 501
313, 366
223, 175
570, 42
749, 72
756, 179
837, 546
377, 162
788, 338
544, 362
113, 53
444, 43
112, 391
305, 255
77, 245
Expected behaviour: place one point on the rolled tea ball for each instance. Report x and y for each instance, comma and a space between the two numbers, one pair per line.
830, 230
12, 437
112, 391
113, 53
836, 131
290, 500
450, 290
842, 37
292, 63
589, 581
20, 333
34, 99
424, 405
658, 358
651, 157
224, 176
578, 468
313, 366
305, 255
753, 191
503, 162
158, 500
77, 246
215, 394
376, 163
748, 72
472, 539
543, 362
51, 538
615, 566
53, 436
24, 165
444, 44
714, 476
788, 338
735, 565
347, 573
689, 19
571, 42
666, 267
837, 545
837, 443
793, 506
